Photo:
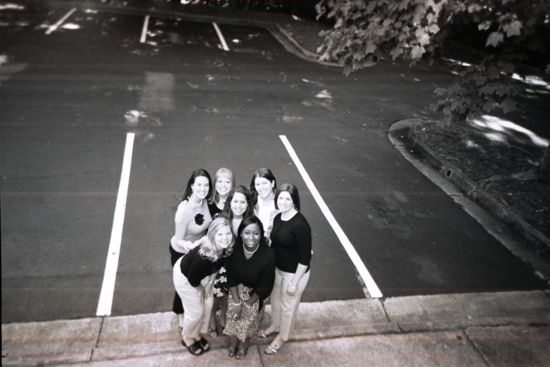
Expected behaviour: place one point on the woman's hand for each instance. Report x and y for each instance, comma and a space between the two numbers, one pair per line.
291, 290
252, 299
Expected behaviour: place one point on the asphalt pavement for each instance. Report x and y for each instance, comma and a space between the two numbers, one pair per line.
478, 329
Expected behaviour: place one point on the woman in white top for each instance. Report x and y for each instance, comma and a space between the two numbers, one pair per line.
262, 186
191, 222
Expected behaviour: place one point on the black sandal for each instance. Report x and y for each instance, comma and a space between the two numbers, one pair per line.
204, 344
241, 352
195, 348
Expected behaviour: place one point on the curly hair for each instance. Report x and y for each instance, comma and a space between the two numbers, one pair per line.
208, 248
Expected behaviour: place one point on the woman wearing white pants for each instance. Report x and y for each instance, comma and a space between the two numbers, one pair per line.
291, 243
194, 275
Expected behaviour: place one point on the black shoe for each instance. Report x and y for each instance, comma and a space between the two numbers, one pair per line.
195, 348
204, 344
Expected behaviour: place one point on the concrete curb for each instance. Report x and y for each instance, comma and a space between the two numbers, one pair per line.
479, 194
496, 218
139, 336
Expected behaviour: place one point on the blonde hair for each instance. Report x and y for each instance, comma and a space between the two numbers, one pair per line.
209, 249
219, 173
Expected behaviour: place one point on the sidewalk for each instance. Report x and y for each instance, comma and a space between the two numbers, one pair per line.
481, 329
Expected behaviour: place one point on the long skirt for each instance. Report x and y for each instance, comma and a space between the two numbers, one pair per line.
242, 320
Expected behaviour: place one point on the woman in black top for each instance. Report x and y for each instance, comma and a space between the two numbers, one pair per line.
250, 277
291, 243
194, 275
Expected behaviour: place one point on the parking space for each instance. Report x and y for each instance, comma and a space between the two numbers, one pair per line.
190, 103
76, 105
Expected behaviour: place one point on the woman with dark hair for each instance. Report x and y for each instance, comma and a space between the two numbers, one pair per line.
250, 277
291, 243
194, 275
263, 186
191, 220
237, 206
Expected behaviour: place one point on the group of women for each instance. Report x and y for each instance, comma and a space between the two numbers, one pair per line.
233, 249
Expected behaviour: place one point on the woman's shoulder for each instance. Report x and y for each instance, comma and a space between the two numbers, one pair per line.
183, 205
300, 219
183, 210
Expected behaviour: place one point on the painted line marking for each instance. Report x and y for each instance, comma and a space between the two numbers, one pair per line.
108, 287
372, 288
55, 26
220, 35
144, 29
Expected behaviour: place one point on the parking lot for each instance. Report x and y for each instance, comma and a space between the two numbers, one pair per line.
79, 86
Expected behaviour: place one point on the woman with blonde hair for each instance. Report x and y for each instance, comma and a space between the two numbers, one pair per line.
224, 182
194, 276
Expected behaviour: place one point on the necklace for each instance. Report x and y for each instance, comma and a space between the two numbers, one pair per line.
248, 253
196, 203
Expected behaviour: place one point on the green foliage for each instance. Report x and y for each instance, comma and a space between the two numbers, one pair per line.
479, 90
365, 32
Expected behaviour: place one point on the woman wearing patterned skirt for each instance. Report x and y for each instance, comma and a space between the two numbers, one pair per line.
250, 277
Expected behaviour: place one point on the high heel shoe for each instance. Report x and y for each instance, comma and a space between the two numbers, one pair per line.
271, 349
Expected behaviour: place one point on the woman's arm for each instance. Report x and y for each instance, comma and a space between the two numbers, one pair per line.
234, 292
208, 282
293, 286
303, 239
252, 299
182, 219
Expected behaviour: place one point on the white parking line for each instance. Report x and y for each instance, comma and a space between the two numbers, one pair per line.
220, 35
54, 27
371, 286
108, 287
144, 29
